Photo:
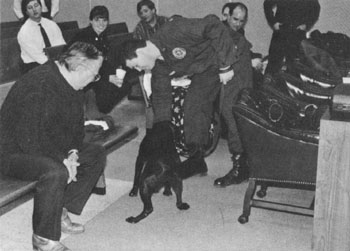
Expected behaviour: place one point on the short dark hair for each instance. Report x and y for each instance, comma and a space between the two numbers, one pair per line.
129, 47
99, 11
142, 3
24, 4
78, 50
233, 6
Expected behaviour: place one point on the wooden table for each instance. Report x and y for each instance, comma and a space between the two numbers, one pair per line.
331, 230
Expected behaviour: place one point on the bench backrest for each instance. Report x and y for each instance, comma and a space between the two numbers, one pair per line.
10, 24
69, 25
117, 28
9, 29
54, 52
10, 60
9, 32
68, 35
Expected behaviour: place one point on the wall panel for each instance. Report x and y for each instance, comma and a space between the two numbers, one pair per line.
334, 14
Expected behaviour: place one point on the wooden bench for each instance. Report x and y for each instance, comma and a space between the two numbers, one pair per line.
10, 60
117, 28
54, 52
9, 29
10, 24
12, 189
69, 25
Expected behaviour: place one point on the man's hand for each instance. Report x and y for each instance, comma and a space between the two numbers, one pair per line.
115, 80
71, 164
257, 64
276, 26
226, 76
302, 27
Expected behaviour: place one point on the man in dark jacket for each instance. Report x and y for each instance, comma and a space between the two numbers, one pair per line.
290, 20
237, 16
199, 49
41, 138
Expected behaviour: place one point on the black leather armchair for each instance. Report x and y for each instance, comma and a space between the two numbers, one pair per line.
277, 156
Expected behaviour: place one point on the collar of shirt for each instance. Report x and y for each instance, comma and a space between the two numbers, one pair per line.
36, 24
92, 33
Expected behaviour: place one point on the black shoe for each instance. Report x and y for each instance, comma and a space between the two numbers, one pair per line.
201, 167
99, 190
192, 167
236, 175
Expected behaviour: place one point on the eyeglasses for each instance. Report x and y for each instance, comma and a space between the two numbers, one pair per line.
97, 77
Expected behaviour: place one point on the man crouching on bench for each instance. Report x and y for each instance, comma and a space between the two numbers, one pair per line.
41, 138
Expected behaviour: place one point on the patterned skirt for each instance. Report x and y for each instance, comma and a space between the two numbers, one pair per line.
178, 94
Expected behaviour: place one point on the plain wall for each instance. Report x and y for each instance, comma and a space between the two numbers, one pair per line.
334, 14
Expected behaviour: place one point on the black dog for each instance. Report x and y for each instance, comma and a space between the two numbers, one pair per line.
158, 141
158, 165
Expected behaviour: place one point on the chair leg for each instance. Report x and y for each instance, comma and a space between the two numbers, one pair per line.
262, 192
244, 218
312, 206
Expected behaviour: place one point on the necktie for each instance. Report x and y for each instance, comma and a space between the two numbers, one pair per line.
46, 38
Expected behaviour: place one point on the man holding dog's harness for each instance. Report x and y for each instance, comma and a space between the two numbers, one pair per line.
200, 49
236, 18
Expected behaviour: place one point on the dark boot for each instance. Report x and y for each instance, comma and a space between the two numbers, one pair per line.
195, 164
192, 167
237, 174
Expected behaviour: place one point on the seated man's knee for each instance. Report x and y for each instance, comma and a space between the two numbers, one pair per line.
94, 155
56, 174
100, 151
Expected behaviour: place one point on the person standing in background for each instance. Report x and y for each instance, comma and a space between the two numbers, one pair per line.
289, 20
150, 22
236, 18
50, 9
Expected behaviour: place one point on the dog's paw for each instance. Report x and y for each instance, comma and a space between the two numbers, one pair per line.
131, 219
183, 206
133, 192
167, 192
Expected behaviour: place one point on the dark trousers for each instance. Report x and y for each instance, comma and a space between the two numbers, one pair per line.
285, 44
52, 192
231, 90
108, 95
199, 105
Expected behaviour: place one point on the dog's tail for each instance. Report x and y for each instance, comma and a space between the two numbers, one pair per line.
190, 167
